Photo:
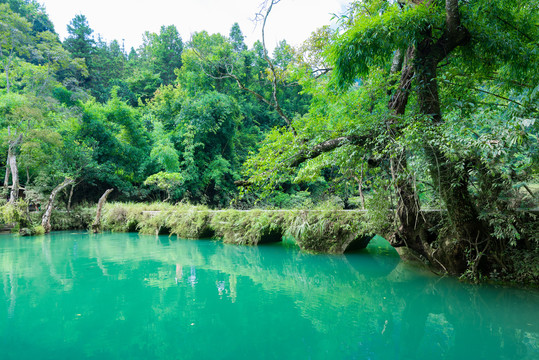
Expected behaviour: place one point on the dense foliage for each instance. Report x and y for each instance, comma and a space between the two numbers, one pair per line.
157, 122
403, 106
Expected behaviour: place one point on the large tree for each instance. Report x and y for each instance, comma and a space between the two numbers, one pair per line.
439, 38
80, 41
434, 61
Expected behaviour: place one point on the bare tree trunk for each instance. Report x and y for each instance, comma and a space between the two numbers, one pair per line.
8, 172
46, 220
276, 104
70, 197
14, 196
12, 163
96, 226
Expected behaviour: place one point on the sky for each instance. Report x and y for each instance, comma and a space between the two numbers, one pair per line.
127, 20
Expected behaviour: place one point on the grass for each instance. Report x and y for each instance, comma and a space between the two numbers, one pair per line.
324, 231
327, 231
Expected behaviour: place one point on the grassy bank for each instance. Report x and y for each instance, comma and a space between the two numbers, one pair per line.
332, 231
325, 231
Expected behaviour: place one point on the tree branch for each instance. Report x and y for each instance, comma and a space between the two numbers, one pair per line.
327, 146
454, 34
229, 74
486, 92
275, 104
515, 28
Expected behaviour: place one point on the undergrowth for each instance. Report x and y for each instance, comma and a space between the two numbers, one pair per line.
329, 231
249, 227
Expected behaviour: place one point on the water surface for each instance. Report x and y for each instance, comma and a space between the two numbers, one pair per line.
129, 296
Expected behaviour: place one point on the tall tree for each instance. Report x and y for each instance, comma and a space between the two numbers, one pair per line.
14, 35
426, 50
430, 40
162, 53
237, 39
80, 41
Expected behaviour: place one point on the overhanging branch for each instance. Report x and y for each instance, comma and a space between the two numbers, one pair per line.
327, 146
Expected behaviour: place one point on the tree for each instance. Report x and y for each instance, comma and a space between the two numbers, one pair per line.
429, 41
96, 225
80, 41
283, 54
166, 53
33, 12
12, 169
118, 142
410, 54
14, 34
156, 62
165, 181
46, 219
107, 67
207, 131
49, 59
237, 39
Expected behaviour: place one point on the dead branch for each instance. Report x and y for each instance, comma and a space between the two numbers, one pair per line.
46, 219
96, 226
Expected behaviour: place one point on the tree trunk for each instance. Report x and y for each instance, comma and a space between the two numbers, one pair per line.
410, 222
359, 181
8, 172
451, 183
96, 226
14, 196
70, 197
12, 164
46, 220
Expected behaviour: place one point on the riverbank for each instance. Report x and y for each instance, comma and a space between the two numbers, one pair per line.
331, 231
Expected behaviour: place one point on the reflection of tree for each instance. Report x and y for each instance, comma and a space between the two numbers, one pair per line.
233, 292
193, 276
179, 273
376, 307
448, 311
12, 293
47, 255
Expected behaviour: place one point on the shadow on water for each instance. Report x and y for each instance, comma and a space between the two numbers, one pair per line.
374, 261
137, 297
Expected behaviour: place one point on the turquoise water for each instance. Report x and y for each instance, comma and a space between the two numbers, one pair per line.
128, 296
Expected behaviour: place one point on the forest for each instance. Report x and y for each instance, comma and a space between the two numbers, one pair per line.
400, 108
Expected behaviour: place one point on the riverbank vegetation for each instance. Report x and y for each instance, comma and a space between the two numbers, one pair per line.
399, 107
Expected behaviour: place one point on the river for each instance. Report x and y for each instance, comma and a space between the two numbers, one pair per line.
71, 295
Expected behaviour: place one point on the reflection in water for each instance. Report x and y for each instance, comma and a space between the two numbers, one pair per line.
128, 296
193, 277
179, 273
233, 293
12, 295
221, 288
